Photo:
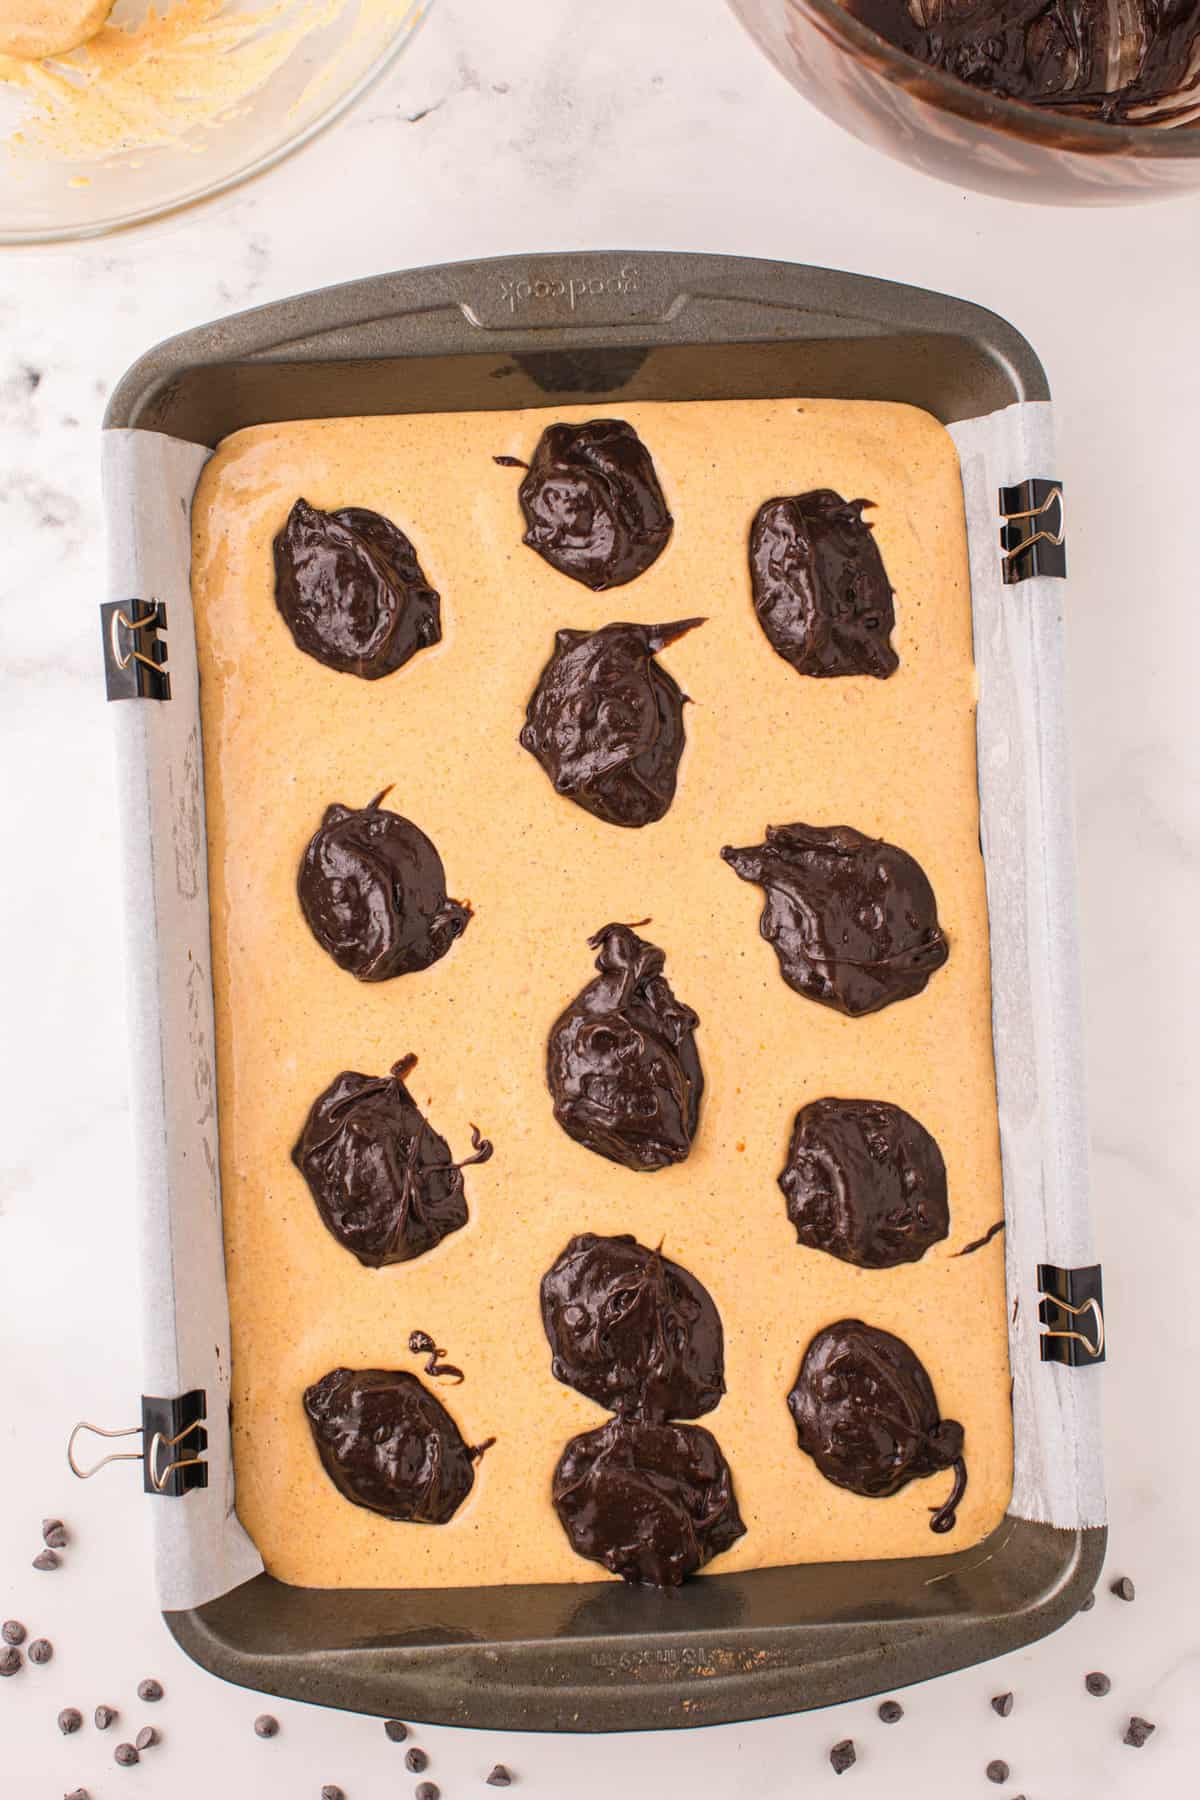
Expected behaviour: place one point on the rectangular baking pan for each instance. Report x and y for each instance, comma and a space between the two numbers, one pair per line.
603, 328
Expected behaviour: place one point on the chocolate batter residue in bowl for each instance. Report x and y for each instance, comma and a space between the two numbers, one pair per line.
852, 919
652, 1503
1134, 64
373, 890
820, 589
866, 1182
633, 1330
383, 1179
352, 592
592, 504
389, 1445
865, 1411
621, 1063
606, 722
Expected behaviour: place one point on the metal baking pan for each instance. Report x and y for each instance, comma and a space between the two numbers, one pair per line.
606, 328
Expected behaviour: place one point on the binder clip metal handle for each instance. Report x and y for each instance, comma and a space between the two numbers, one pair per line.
165, 1426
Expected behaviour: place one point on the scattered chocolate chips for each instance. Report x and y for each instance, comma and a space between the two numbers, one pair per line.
865, 1411
104, 1716
632, 1330
396, 1730
651, 1502
1097, 1683
69, 1720
46, 1559
427, 1790
54, 1533
843, 1756
389, 1445
890, 1711
146, 1738
1138, 1732
266, 1726
126, 1755
384, 1181
150, 1690
852, 919
40, 1651
1123, 1588
592, 504
1002, 1704
606, 722
1088, 1603
621, 1061
415, 1760
373, 890
12, 1631
10, 1660
865, 1182
352, 592
499, 1777
820, 589
997, 1771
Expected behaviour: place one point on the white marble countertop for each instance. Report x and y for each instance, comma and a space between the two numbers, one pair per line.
539, 125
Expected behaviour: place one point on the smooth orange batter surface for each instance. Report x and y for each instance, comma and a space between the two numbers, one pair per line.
284, 737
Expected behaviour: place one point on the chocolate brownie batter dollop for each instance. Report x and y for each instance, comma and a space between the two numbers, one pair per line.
383, 1179
852, 919
389, 1445
652, 1503
606, 722
621, 1062
373, 890
865, 1411
820, 589
866, 1182
1133, 64
592, 504
352, 592
633, 1330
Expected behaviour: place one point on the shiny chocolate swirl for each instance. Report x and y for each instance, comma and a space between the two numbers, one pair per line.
592, 504
389, 1445
866, 1182
820, 589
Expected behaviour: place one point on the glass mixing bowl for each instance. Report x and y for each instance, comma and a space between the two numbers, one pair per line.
961, 133
233, 86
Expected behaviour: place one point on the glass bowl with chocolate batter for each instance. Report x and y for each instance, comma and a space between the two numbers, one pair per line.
1045, 106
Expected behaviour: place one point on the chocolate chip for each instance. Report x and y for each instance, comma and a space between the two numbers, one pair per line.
69, 1720
12, 1631
1138, 1732
104, 1716
126, 1755
266, 1726
427, 1790
77, 1794
1097, 1683
146, 1738
395, 1730
1002, 1704
331, 1791
10, 1660
54, 1533
843, 1756
1123, 1588
997, 1771
40, 1651
415, 1760
1088, 1603
150, 1689
499, 1777
890, 1711
46, 1559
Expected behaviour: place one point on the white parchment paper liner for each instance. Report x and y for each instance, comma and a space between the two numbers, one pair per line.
201, 1548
